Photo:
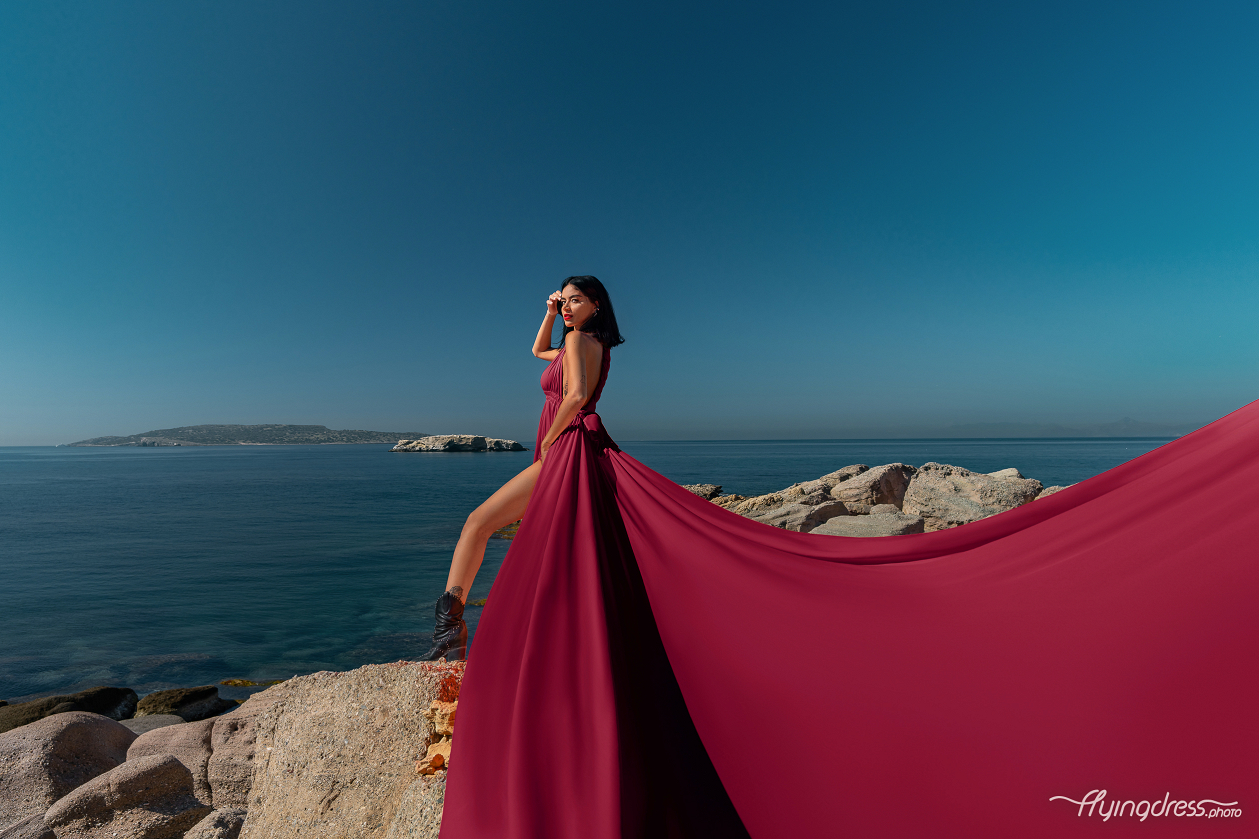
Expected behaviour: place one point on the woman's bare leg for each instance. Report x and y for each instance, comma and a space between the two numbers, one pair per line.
502, 508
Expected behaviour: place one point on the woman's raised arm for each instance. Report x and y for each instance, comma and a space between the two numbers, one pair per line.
542, 344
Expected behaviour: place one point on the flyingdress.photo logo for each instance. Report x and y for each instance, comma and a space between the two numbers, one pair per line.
1208, 808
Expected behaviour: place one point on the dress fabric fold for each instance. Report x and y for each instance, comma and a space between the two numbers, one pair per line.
652, 665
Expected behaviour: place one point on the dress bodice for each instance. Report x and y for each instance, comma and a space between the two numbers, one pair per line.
553, 380
553, 387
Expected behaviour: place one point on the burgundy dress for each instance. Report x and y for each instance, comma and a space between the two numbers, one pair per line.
652, 665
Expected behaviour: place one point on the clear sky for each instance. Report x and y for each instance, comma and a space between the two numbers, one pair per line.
814, 219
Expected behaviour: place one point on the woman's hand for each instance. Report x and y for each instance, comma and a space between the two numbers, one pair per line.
553, 303
542, 450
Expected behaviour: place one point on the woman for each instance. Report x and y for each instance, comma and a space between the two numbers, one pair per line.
590, 330
653, 665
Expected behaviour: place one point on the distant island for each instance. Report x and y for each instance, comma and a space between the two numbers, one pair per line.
250, 435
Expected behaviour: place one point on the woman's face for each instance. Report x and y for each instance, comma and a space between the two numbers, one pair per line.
575, 307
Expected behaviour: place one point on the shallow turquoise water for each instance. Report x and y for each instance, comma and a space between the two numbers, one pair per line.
152, 568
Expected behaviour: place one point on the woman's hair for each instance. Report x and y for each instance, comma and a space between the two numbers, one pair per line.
601, 325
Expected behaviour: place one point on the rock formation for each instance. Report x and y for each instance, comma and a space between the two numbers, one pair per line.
337, 754
189, 743
147, 798
882, 520
45, 760
359, 754
948, 496
881, 485
115, 703
458, 443
890, 500
189, 704
220, 824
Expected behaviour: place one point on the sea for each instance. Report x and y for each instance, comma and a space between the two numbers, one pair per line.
152, 568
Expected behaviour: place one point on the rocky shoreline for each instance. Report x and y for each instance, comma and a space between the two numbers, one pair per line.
361, 753
890, 500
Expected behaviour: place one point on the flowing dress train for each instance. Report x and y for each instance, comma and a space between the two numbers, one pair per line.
652, 665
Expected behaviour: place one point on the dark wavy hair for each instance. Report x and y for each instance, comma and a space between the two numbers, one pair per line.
603, 324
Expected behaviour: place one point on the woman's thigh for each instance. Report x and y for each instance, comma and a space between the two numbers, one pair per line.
508, 502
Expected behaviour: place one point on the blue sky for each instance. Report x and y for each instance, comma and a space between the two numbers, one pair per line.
815, 220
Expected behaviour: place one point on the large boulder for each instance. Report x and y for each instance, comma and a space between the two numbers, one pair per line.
31, 827
802, 517
189, 743
143, 725
706, 491
796, 493
233, 743
115, 703
880, 485
947, 496
1048, 491
337, 753
419, 814
189, 704
147, 798
43, 761
220, 824
756, 505
881, 522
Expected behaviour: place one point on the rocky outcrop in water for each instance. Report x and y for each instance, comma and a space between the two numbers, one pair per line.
458, 443
115, 703
890, 500
189, 704
947, 496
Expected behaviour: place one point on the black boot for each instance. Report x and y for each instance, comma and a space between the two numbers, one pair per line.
450, 636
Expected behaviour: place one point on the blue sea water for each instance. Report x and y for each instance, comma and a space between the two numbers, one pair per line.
165, 567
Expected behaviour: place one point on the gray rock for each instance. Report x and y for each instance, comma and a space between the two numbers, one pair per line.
233, 742
189, 704
458, 443
115, 703
220, 824
43, 761
884, 510
141, 725
802, 517
823, 485
706, 491
419, 813
880, 485
1007, 473
948, 496
337, 753
189, 743
894, 523
31, 827
756, 505
1048, 491
147, 798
